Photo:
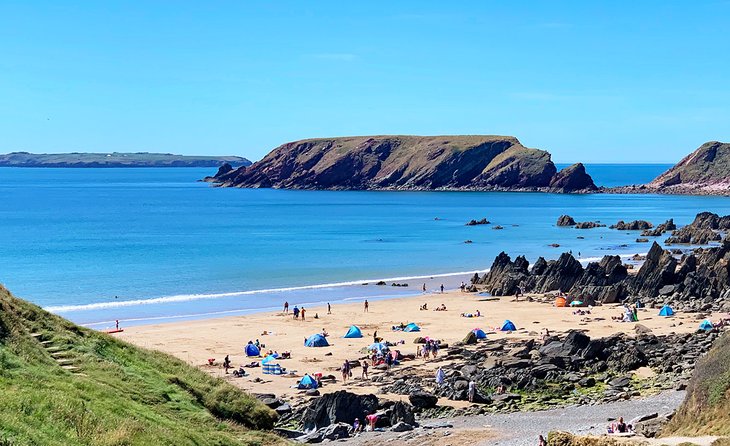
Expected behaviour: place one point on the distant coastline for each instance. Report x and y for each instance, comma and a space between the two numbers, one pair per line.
116, 159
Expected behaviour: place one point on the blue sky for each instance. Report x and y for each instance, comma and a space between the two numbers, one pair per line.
601, 81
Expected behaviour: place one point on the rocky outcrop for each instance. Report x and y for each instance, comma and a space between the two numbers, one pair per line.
409, 163
589, 225
636, 225
565, 220
338, 407
573, 178
659, 230
701, 231
116, 159
706, 170
483, 221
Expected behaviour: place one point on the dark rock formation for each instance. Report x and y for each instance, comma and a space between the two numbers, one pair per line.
573, 178
409, 163
701, 231
341, 406
483, 221
588, 225
423, 400
565, 220
659, 230
635, 225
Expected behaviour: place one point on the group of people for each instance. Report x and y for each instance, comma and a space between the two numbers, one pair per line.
429, 348
629, 314
619, 427
474, 314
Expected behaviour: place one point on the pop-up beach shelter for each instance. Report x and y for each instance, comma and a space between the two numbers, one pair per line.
268, 359
252, 350
353, 332
666, 311
412, 327
480, 333
379, 347
508, 326
706, 325
307, 382
560, 301
316, 340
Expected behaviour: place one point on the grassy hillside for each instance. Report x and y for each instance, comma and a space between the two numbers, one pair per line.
706, 409
116, 159
61, 384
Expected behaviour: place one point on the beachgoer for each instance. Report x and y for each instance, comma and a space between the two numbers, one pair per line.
257, 344
434, 349
329, 308
286, 307
372, 419
440, 376
226, 363
356, 425
375, 336
478, 313
296, 312
389, 360
365, 370
442, 288
541, 441
367, 305
424, 287
302, 312
472, 390
324, 332
621, 426
345, 370
117, 322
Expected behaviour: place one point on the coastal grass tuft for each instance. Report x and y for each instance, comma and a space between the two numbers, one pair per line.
706, 409
117, 394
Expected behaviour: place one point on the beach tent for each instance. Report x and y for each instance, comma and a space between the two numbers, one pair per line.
412, 327
268, 359
316, 340
271, 369
307, 383
480, 333
560, 301
706, 325
252, 350
353, 332
508, 326
666, 311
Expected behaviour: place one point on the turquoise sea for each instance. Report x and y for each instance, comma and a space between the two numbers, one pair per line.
153, 245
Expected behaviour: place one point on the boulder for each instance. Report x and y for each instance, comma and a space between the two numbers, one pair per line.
401, 427
565, 220
341, 406
423, 400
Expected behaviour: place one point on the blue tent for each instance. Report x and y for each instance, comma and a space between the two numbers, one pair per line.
353, 332
412, 327
307, 383
268, 359
480, 333
252, 350
706, 325
666, 311
508, 326
316, 340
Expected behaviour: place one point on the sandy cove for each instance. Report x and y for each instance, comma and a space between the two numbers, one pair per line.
196, 341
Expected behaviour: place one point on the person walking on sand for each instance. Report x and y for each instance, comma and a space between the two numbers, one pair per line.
303, 311
227, 363
442, 288
286, 307
329, 308
424, 287
365, 366
345, 370
367, 306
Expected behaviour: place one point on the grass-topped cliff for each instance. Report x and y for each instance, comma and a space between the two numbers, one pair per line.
706, 409
705, 170
463, 162
61, 384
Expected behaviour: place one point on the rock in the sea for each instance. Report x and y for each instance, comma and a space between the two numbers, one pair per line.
588, 225
565, 220
483, 221
573, 178
635, 225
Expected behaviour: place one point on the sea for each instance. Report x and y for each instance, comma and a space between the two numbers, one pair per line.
155, 245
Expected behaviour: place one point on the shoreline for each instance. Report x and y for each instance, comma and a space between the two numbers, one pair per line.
348, 290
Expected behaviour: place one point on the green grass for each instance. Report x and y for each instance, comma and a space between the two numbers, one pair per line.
706, 409
118, 395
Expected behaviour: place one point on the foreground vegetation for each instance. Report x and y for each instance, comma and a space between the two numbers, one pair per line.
61, 384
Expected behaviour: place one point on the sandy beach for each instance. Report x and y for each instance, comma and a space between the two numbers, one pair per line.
196, 341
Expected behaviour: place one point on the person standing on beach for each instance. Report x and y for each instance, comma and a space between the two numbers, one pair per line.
367, 306
117, 322
303, 311
329, 308
345, 370
472, 390
365, 370
424, 287
296, 312
286, 307
442, 288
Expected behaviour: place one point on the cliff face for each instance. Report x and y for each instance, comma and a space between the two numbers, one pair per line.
407, 163
706, 170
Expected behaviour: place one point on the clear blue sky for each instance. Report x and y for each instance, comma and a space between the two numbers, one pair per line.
609, 81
